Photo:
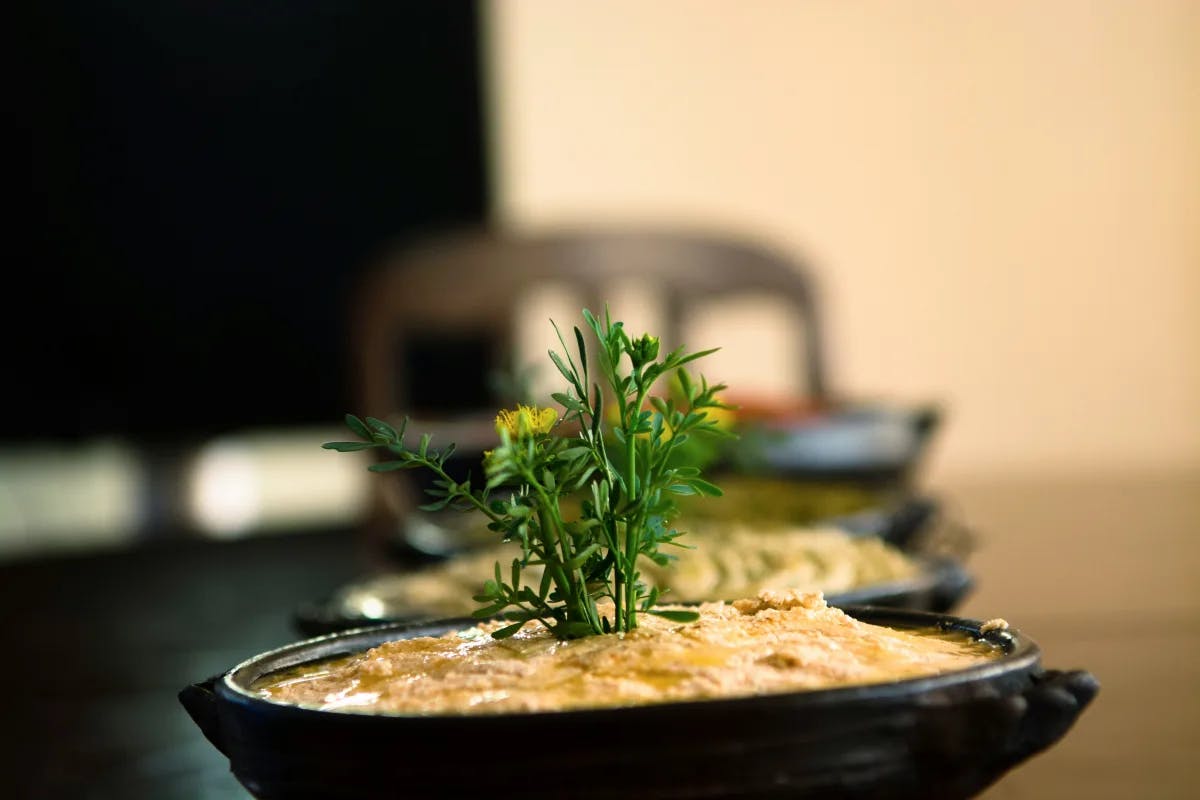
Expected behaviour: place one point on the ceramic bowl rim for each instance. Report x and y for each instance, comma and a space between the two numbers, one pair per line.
1021, 654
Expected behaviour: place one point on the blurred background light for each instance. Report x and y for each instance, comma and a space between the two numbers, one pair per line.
274, 481
54, 497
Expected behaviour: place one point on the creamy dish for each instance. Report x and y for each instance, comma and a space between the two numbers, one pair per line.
727, 560
776, 642
763, 499
740, 560
766, 502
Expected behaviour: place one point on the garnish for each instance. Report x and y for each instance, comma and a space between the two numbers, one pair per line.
617, 452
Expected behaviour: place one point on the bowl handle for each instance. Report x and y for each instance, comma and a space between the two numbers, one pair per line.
1052, 704
200, 702
998, 732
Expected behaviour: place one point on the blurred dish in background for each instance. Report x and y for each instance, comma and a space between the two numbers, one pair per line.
892, 559
768, 499
743, 560
746, 499
725, 563
869, 444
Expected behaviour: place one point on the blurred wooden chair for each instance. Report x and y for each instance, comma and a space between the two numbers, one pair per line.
445, 310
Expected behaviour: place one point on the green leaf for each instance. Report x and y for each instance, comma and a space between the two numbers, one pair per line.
582, 557
489, 611
705, 488
507, 630
348, 447
598, 410
662, 559
574, 453
582, 352
576, 630
569, 403
392, 466
675, 616
582, 479
685, 383
693, 356
355, 424
558, 362
383, 428
593, 323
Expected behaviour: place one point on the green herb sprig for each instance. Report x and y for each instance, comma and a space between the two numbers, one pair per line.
619, 455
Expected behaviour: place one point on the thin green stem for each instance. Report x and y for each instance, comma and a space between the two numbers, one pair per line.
469, 496
633, 522
550, 521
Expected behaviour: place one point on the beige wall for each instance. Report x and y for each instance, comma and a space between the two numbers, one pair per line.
1003, 199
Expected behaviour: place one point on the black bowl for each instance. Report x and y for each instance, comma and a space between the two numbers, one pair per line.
939, 586
865, 444
904, 521
946, 736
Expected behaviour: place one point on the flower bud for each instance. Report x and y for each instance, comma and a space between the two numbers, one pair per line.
644, 350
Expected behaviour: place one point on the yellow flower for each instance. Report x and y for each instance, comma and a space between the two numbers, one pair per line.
526, 420
725, 418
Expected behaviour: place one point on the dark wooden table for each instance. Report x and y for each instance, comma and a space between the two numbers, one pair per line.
1104, 573
99, 646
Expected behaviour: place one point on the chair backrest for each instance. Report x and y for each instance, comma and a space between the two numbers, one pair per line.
473, 283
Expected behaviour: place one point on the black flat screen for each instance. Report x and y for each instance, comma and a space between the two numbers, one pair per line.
206, 180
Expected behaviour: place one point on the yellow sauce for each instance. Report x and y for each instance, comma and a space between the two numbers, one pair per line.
773, 643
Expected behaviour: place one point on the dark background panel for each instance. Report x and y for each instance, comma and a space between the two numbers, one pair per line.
206, 182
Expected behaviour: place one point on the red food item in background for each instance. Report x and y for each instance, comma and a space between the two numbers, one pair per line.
764, 408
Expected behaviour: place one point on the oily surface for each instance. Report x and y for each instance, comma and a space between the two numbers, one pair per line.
773, 643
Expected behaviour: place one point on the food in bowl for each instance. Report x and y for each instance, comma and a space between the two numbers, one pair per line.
773, 643
741, 560
780, 500
771, 503
726, 561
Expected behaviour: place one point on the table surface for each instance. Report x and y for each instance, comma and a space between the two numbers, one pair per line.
1102, 572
